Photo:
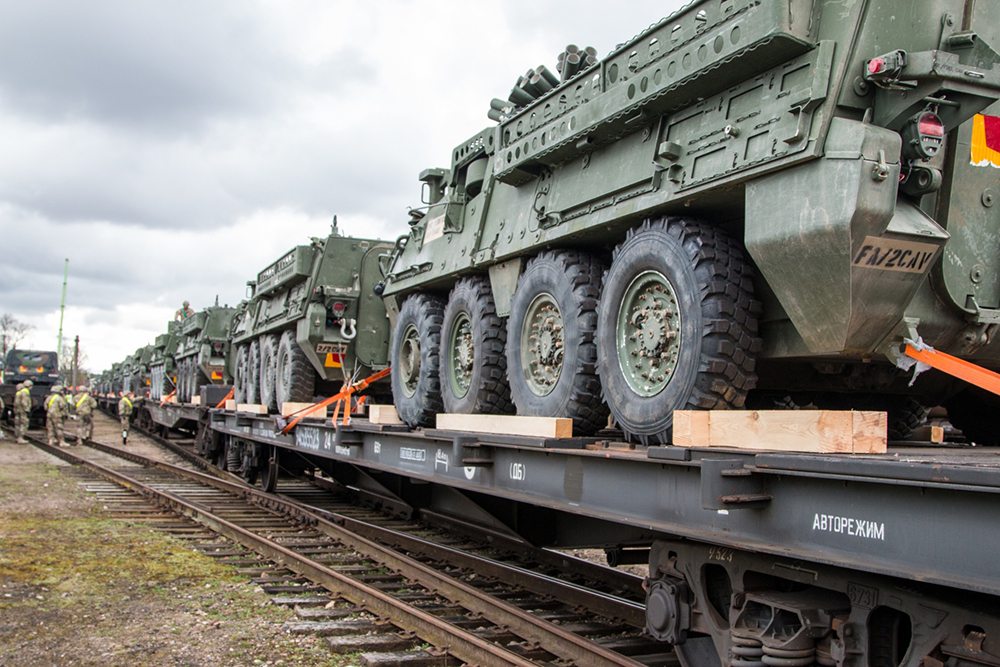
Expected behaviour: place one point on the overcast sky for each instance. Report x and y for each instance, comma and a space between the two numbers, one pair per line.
171, 149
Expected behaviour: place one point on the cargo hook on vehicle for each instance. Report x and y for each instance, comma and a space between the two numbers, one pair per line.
346, 325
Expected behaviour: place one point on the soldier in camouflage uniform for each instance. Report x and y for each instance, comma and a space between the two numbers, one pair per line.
22, 410
84, 404
124, 413
56, 411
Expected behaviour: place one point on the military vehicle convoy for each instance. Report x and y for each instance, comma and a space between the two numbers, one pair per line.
202, 350
752, 202
312, 322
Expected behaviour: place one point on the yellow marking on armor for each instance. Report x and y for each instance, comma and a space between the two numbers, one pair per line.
982, 154
330, 363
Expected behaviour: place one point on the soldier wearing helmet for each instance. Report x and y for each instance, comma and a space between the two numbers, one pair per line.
56, 411
84, 405
22, 410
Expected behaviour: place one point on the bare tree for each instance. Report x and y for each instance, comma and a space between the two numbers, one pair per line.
12, 332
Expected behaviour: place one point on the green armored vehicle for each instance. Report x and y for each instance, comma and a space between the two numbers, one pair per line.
202, 351
312, 323
162, 363
751, 202
136, 376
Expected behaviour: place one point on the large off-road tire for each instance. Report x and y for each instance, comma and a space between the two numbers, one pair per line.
551, 346
416, 349
241, 374
296, 377
253, 372
184, 382
269, 372
677, 326
473, 355
973, 411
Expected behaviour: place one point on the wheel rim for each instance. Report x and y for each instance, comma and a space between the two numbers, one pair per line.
648, 333
463, 353
409, 360
542, 343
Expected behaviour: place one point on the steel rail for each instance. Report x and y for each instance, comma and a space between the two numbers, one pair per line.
551, 637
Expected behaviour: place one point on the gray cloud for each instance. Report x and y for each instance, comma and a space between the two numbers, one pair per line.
172, 149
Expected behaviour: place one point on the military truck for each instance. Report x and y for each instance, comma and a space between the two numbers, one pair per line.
39, 366
202, 351
312, 322
752, 202
162, 363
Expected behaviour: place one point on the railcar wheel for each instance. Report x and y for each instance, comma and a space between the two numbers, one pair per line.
296, 377
269, 372
677, 326
473, 359
416, 348
269, 480
253, 372
551, 349
241, 374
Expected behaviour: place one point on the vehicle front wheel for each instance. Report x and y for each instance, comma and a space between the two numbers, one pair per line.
241, 374
677, 326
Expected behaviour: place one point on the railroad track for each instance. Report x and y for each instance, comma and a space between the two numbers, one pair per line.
469, 608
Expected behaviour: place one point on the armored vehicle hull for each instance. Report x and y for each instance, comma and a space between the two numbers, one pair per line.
162, 363
312, 323
749, 203
202, 351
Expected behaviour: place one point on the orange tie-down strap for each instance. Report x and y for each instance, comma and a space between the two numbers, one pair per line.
228, 396
341, 398
963, 370
167, 398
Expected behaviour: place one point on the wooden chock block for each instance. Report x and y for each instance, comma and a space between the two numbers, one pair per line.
927, 433
252, 408
539, 427
818, 431
383, 414
290, 408
230, 405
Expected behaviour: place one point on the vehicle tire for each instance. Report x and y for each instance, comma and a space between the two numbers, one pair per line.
473, 355
253, 372
269, 372
184, 382
677, 326
241, 374
296, 377
973, 411
551, 346
416, 349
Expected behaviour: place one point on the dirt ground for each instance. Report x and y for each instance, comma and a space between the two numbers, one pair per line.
80, 588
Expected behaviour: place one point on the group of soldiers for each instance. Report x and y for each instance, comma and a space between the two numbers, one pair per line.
59, 405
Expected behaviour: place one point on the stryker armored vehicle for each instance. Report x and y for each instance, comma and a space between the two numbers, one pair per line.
751, 203
162, 365
312, 322
202, 351
136, 377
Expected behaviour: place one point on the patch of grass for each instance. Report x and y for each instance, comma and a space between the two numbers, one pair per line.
87, 555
